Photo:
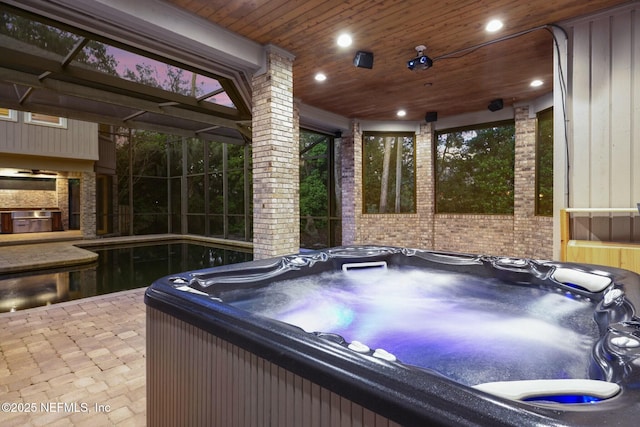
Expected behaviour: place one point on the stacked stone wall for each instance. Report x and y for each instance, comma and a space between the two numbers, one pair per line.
88, 205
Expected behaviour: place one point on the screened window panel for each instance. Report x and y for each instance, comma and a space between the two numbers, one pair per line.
475, 169
388, 173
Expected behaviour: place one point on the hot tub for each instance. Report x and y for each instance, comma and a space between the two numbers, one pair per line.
393, 336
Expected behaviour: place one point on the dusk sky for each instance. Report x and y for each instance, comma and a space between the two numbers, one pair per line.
128, 60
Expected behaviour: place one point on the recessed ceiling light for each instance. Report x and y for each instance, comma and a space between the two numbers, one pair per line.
344, 40
320, 77
536, 83
401, 113
494, 25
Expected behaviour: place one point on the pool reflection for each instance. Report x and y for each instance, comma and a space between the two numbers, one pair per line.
118, 268
19, 293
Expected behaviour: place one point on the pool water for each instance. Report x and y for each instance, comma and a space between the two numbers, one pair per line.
118, 268
468, 328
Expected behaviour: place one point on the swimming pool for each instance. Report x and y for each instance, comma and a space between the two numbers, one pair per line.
119, 268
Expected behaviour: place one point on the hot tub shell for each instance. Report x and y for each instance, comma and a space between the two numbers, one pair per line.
209, 363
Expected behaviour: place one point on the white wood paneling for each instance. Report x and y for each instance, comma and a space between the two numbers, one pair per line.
635, 109
580, 100
603, 106
78, 141
621, 113
107, 162
599, 64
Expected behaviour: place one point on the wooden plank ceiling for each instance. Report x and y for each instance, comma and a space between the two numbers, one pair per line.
391, 29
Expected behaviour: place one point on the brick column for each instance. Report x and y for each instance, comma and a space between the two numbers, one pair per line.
425, 187
351, 169
532, 235
88, 205
524, 186
276, 173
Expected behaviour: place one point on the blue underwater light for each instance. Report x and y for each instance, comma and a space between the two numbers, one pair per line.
565, 399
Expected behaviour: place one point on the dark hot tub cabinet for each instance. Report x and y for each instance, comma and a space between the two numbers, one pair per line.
384, 336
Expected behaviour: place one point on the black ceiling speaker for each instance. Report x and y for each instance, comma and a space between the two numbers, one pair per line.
363, 59
496, 105
431, 116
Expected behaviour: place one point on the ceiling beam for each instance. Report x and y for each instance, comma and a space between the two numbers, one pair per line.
154, 23
99, 118
210, 94
26, 94
23, 57
62, 87
76, 49
161, 29
245, 131
207, 129
133, 116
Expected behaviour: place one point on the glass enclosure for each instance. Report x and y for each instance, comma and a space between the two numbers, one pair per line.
94, 57
182, 142
389, 173
474, 171
320, 209
172, 184
544, 163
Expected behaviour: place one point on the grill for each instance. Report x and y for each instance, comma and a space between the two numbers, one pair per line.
31, 221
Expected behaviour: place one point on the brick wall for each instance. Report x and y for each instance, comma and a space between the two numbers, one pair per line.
408, 229
276, 215
520, 235
351, 169
533, 236
474, 234
425, 186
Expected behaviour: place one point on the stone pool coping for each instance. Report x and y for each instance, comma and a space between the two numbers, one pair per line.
29, 256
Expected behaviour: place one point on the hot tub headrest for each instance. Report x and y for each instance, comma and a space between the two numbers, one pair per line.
527, 389
588, 281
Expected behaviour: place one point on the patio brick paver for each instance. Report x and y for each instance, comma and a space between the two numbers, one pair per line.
76, 363
89, 351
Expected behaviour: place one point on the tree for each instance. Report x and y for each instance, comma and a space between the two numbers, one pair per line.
57, 41
141, 165
544, 157
386, 165
163, 76
389, 173
475, 170
314, 188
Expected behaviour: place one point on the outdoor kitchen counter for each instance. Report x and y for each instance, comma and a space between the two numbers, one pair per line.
30, 221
